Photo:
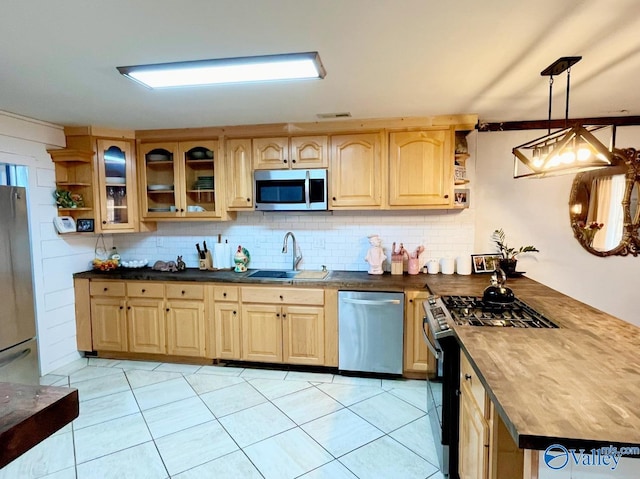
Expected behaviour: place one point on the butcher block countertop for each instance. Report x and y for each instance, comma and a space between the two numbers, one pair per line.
30, 414
578, 385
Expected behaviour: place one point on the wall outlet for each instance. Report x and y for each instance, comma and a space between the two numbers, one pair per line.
318, 243
159, 241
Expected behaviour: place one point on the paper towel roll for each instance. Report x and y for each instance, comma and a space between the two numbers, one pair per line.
463, 265
221, 256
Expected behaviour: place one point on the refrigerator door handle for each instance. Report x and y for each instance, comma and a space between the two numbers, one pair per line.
15, 357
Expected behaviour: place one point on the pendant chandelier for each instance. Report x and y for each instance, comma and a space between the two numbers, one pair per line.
571, 150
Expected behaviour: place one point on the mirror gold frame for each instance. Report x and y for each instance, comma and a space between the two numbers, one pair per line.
627, 163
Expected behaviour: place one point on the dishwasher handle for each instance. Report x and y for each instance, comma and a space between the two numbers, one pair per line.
371, 302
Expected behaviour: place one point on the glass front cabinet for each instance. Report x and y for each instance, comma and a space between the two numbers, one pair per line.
178, 180
116, 186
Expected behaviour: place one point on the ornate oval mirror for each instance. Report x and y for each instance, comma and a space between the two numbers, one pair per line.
603, 207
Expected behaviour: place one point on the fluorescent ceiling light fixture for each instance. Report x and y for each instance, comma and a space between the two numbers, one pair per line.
288, 66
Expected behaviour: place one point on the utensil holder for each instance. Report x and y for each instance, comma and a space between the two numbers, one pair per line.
413, 266
206, 263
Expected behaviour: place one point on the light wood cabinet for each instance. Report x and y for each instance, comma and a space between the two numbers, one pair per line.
304, 152
303, 335
146, 326
144, 317
117, 186
421, 169
227, 322
356, 171
262, 333
101, 170
239, 187
417, 356
181, 180
486, 448
283, 325
185, 328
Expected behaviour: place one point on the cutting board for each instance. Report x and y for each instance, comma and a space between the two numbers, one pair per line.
311, 275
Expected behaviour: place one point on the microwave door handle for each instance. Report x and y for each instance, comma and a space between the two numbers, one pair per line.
307, 193
432, 346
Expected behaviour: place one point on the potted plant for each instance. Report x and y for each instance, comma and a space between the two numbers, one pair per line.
509, 255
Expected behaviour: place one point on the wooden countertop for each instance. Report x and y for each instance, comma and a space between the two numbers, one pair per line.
30, 414
354, 280
578, 385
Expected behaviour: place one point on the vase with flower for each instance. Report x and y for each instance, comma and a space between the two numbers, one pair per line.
589, 230
509, 260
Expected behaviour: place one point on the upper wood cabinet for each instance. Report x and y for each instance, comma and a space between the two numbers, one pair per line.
356, 171
239, 166
117, 187
304, 152
181, 180
101, 171
421, 169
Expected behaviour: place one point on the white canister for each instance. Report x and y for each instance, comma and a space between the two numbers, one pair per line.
463, 265
433, 267
447, 265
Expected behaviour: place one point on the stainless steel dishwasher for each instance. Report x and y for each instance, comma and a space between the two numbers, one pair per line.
370, 331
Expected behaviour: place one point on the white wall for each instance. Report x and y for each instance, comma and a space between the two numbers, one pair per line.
23, 142
536, 211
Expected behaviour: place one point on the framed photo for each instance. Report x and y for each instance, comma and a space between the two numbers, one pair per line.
461, 198
84, 225
485, 263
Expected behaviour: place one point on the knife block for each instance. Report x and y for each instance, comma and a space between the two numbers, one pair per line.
206, 263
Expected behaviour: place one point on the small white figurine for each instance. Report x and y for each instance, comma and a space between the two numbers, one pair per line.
375, 256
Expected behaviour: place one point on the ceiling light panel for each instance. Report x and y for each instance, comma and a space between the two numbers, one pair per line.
289, 66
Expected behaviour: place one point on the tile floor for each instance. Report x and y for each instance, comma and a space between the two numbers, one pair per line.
152, 420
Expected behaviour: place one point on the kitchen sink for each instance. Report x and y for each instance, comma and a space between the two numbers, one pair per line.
273, 274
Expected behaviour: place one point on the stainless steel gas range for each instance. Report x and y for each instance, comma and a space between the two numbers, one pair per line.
442, 315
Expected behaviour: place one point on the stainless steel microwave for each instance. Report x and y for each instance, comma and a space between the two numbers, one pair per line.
290, 190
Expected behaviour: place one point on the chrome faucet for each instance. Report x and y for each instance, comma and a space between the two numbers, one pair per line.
296, 259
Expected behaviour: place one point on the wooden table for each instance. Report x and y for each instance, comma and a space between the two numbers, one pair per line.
30, 414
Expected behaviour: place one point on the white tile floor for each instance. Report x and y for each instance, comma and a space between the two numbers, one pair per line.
150, 420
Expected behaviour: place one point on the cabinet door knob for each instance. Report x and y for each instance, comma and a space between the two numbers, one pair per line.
285, 160
183, 292
181, 210
284, 315
467, 377
104, 222
224, 295
281, 297
144, 290
106, 289
121, 307
333, 198
249, 200
293, 161
128, 307
277, 315
168, 310
234, 312
411, 300
446, 196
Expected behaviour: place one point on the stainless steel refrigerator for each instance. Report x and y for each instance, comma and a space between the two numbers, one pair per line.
18, 345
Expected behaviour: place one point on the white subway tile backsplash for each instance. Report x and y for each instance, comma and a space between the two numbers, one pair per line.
337, 240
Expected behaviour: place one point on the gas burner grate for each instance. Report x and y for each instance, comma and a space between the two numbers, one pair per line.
473, 311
